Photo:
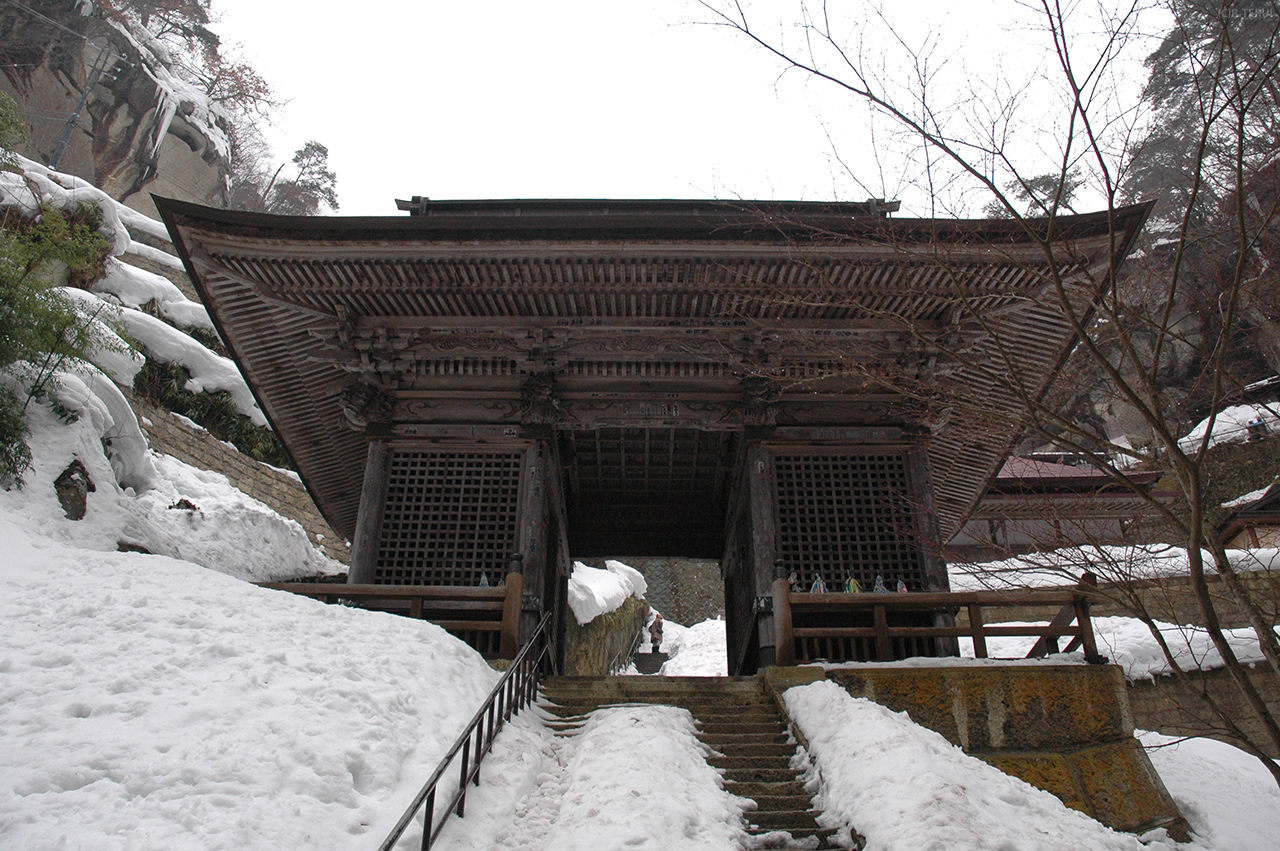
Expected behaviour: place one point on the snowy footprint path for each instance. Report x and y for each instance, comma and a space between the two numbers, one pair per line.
629, 777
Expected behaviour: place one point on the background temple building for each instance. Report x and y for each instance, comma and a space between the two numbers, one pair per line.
491, 387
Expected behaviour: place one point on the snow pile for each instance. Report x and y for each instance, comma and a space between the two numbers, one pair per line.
135, 287
906, 787
147, 702
633, 777
699, 651
1231, 425
594, 592
1113, 563
186, 513
98, 402
1228, 798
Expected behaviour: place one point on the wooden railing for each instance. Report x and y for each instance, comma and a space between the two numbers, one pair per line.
516, 690
486, 618
800, 641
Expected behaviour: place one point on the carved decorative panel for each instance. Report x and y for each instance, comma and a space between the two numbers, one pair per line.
450, 517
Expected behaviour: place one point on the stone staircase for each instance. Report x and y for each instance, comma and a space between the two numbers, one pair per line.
649, 663
739, 720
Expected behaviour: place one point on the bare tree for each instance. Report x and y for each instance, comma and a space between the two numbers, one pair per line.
1178, 333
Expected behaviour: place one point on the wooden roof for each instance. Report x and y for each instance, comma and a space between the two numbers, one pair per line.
462, 302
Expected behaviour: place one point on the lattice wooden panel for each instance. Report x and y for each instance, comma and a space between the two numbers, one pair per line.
847, 515
449, 517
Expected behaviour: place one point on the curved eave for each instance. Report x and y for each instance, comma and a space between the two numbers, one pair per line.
320, 264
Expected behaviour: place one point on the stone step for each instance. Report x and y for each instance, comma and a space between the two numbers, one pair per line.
789, 820
649, 663
756, 790
717, 739
799, 835
659, 685
567, 708
752, 750
756, 774
782, 803
722, 703
737, 762
720, 728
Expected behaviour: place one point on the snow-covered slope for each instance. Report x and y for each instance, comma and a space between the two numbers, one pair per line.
161, 702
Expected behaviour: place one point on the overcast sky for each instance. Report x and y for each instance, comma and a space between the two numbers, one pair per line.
575, 98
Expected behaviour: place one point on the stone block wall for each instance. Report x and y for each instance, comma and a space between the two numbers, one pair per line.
1169, 600
279, 489
1175, 708
686, 591
1063, 728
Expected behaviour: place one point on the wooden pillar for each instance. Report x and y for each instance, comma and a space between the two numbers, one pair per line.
785, 639
764, 545
373, 499
532, 538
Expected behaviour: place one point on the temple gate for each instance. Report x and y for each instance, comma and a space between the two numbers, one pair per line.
490, 388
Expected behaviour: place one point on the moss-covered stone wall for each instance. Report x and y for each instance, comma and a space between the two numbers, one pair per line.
590, 649
1063, 728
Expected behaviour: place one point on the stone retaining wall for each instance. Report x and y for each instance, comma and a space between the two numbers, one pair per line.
1169, 600
279, 489
686, 591
1175, 708
1063, 728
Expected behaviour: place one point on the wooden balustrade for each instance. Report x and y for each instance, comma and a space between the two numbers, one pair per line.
876, 620
486, 618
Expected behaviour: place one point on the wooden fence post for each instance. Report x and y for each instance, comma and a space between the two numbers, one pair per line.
511, 606
979, 634
784, 640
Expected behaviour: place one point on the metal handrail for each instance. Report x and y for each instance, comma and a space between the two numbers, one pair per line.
620, 659
515, 690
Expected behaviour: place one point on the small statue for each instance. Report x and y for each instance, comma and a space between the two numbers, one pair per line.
902, 587
879, 586
819, 586
852, 586
484, 579
795, 581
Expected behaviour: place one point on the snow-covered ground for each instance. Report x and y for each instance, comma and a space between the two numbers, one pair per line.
162, 702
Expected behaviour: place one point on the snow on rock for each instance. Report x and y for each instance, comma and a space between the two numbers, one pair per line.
135, 287
38, 184
223, 529
146, 702
594, 592
1226, 795
174, 93
639, 587
111, 353
699, 651
1231, 425
97, 399
1245, 499
209, 371
905, 787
